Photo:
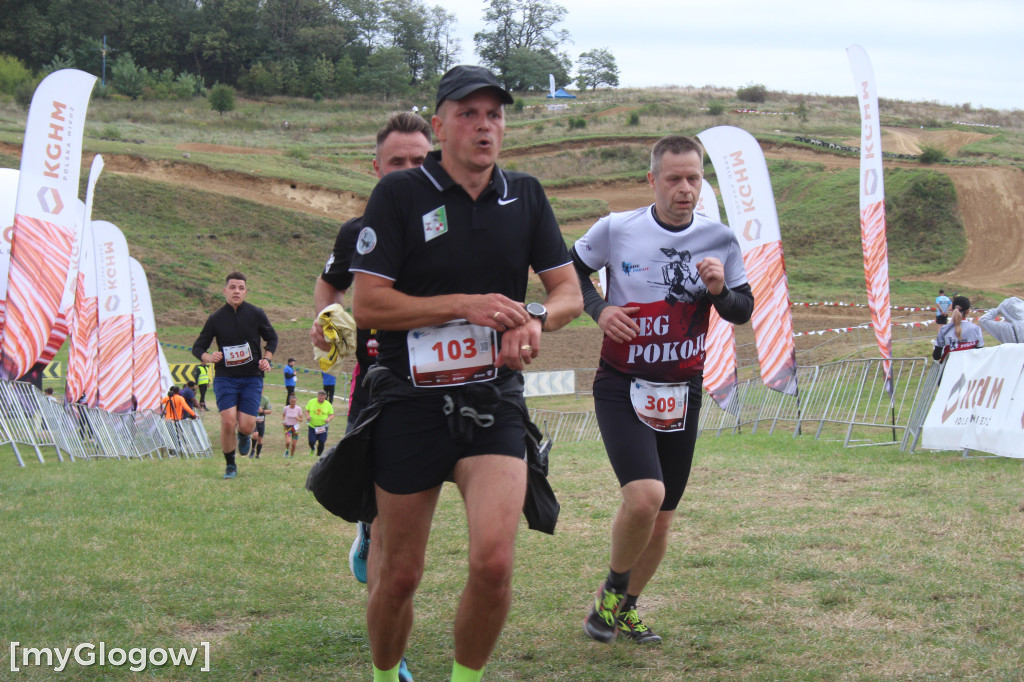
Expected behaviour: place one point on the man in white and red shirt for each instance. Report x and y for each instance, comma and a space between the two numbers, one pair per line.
666, 267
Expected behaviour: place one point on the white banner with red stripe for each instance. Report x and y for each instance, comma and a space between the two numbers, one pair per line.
720, 379
47, 221
84, 322
145, 347
980, 403
166, 378
872, 205
750, 206
62, 324
114, 291
8, 198
82, 352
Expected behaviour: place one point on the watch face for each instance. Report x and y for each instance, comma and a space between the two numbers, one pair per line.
536, 309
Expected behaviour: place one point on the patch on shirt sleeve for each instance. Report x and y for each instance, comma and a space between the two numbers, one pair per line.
367, 240
435, 224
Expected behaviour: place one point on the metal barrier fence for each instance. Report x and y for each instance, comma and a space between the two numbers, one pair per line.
30, 418
843, 400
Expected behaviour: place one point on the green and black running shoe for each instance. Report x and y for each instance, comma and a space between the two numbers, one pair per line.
631, 627
601, 622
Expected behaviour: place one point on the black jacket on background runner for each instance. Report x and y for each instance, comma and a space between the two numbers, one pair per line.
336, 274
233, 327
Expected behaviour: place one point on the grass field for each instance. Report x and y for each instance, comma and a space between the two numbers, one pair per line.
791, 559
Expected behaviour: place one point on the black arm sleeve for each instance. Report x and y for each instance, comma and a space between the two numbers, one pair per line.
735, 305
203, 341
593, 302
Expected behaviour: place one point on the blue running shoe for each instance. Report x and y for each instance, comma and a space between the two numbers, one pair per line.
403, 669
231, 471
244, 444
360, 552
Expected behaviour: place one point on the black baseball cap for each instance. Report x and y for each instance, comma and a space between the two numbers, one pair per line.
463, 80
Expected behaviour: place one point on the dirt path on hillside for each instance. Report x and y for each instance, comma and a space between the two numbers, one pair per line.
991, 199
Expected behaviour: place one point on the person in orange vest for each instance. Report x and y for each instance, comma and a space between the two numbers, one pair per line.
175, 407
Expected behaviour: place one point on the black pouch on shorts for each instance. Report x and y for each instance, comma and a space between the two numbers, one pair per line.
342, 480
540, 507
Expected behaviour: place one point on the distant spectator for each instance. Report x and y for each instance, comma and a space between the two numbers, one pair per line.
188, 392
289, 378
959, 334
942, 304
174, 406
1011, 329
330, 381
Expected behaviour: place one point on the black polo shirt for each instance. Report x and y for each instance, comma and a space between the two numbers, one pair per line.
424, 233
336, 271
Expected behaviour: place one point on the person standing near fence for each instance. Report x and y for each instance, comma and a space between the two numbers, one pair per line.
201, 375
175, 407
1011, 328
942, 304
960, 333
289, 378
238, 327
667, 266
329, 381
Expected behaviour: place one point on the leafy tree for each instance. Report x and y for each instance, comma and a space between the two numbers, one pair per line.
386, 74
345, 75
597, 67
319, 78
222, 98
518, 24
442, 46
528, 69
752, 93
127, 78
12, 74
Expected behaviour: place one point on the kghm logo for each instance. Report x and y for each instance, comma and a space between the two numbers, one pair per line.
50, 201
629, 268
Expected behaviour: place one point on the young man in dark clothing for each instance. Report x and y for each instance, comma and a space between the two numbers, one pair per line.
238, 328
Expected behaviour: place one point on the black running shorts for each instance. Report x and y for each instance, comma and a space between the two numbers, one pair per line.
413, 450
636, 450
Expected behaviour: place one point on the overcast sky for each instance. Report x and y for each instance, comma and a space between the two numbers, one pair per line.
949, 51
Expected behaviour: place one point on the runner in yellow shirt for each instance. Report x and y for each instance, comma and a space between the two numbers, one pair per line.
319, 413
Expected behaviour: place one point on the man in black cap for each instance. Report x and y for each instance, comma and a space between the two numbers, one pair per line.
441, 269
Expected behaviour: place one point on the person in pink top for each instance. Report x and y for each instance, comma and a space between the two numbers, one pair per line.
290, 418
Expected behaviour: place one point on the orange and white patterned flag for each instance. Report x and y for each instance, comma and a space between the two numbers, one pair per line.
114, 293
720, 346
750, 206
872, 207
145, 347
48, 220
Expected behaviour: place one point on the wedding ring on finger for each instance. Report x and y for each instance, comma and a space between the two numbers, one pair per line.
527, 347
496, 315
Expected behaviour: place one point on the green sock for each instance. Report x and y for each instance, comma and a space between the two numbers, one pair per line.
386, 675
461, 673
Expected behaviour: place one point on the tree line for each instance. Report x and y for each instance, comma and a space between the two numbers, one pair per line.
308, 48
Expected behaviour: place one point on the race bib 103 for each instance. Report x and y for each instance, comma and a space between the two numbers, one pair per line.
452, 353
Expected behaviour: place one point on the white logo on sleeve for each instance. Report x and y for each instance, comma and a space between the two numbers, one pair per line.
435, 223
367, 240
